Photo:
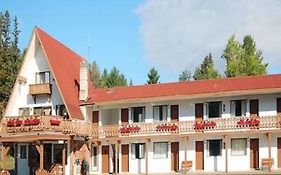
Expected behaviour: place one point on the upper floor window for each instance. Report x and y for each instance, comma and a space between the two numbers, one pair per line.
42, 77
61, 111
160, 113
138, 114
23, 111
214, 109
42, 110
238, 108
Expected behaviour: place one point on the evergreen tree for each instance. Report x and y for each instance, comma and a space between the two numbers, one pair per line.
206, 70
153, 77
243, 59
185, 76
116, 79
95, 74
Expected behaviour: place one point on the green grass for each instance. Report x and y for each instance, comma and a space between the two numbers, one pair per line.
10, 163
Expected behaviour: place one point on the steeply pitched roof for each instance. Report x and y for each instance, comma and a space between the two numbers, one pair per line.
199, 87
65, 65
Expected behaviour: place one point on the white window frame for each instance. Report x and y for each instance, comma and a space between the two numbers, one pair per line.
141, 147
156, 113
208, 147
160, 150
236, 152
95, 168
220, 109
243, 108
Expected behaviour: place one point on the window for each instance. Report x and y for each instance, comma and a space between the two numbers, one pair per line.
160, 150
58, 153
138, 114
214, 109
238, 108
23, 152
238, 147
94, 156
61, 111
160, 113
214, 147
137, 150
42, 111
23, 111
42, 77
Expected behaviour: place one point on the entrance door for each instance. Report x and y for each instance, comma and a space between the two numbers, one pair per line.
278, 106
124, 115
254, 153
174, 112
125, 158
175, 156
199, 148
22, 164
199, 111
105, 159
279, 151
254, 108
95, 119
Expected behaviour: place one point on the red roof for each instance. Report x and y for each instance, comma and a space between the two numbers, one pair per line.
223, 85
65, 65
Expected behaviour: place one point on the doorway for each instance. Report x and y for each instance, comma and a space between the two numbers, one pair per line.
175, 156
254, 153
199, 149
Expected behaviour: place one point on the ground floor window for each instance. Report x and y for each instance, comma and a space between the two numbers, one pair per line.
58, 153
239, 147
94, 155
160, 150
23, 151
138, 150
215, 147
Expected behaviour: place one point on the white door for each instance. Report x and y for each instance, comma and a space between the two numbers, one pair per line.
23, 159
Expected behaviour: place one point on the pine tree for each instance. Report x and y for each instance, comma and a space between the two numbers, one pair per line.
95, 74
206, 70
243, 59
153, 77
185, 76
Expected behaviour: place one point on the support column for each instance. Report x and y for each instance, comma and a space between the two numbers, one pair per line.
269, 150
185, 148
116, 156
5, 151
146, 155
226, 152
71, 155
40, 150
63, 157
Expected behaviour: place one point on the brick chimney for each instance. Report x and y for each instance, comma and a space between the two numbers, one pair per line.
84, 77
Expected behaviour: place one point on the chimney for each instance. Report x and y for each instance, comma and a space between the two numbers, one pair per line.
84, 77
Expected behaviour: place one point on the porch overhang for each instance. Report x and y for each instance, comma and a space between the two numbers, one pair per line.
34, 137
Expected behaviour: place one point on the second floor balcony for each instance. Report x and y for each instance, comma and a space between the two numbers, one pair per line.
40, 89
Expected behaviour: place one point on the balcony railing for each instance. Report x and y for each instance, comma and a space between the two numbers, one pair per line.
56, 124
39, 89
189, 127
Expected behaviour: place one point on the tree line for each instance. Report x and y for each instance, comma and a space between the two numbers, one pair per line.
10, 56
242, 59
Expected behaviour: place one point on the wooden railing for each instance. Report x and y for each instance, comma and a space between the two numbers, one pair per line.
22, 125
38, 89
237, 124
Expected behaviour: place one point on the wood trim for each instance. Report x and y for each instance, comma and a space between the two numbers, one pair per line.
63, 158
174, 156
5, 151
31, 138
40, 150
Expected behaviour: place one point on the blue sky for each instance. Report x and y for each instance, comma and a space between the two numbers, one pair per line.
135, 35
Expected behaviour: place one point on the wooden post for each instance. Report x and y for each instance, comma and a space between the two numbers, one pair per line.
71, 154
63, 157
185, 148
226, 152
40, 150
269, 151
116, 157
146, 155
5, 151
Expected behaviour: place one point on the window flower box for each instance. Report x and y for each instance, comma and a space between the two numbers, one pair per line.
11, 123
18, 122
166, 127
55, 122
27, 122
129, 129
204, 125
248, 122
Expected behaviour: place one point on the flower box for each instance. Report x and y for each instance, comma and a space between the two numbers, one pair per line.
248, 122
204, 125
55, 122
26, 122
11, 123
18, 122
166, 127
35, 121
130, 129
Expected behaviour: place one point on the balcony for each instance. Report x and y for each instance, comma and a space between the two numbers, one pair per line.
40, 89
218, 125
42, 124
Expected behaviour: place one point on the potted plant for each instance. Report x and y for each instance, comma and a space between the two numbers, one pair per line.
84, 167
55, 122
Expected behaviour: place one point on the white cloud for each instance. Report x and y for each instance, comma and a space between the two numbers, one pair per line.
177, 34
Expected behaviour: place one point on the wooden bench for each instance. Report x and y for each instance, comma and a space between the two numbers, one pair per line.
186, 166
267, 162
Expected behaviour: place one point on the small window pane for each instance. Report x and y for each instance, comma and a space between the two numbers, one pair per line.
23, 111
160, 150
215, 147
138, 150
138, 114
214, 109
160, 113
58, 153
238, 147
95, 156
23, 151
